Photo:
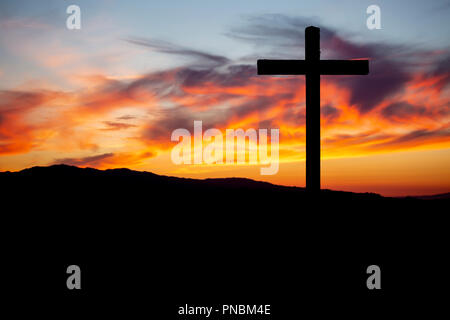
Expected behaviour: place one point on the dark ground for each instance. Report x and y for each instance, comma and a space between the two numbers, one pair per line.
147, 243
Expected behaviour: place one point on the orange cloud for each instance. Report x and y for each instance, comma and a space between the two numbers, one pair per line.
125, 121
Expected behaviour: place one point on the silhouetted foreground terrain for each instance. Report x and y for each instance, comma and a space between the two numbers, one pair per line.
71, 181
146, 238
91, 193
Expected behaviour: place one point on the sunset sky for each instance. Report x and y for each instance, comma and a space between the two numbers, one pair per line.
110, 95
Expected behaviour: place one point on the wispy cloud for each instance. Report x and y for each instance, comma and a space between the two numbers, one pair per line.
170, 48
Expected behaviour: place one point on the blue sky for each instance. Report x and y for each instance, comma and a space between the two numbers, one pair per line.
204, 25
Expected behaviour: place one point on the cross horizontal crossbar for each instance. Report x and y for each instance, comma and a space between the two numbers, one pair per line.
325, 67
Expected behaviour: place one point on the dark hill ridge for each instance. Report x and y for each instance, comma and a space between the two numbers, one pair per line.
57, 194
146, 179
441, 196
235, 237
150, 180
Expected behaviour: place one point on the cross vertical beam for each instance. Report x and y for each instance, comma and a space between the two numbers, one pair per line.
312, 57
312, 67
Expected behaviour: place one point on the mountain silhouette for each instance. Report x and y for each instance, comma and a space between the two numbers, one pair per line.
64, 180
60, 200
189, 239
56, 201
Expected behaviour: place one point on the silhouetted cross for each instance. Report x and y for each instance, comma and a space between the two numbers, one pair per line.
313, 67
